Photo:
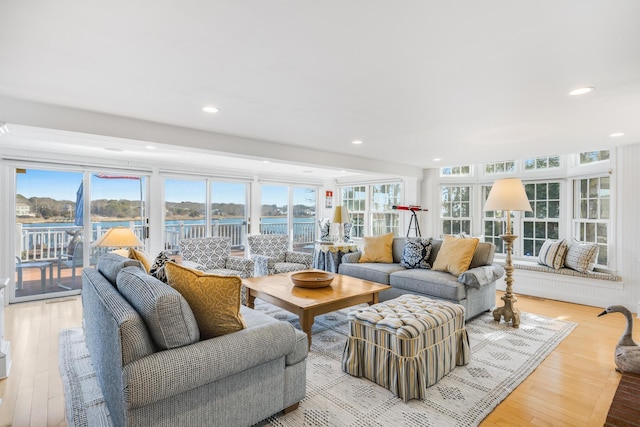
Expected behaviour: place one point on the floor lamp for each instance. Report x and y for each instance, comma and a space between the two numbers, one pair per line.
508, 195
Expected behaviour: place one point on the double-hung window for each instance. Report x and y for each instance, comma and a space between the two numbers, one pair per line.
592, 215
543, 222
371, 208
455, 209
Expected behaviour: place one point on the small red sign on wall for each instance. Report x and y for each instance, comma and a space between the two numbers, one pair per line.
328, 201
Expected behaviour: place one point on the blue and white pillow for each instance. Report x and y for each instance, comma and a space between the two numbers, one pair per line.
416, 253
581, 256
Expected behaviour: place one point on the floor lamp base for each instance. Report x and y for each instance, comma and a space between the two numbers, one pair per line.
509, 311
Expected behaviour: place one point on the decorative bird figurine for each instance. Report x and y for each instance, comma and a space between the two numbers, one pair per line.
627, 355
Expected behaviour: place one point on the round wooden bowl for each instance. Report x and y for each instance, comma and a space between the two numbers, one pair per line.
312, 279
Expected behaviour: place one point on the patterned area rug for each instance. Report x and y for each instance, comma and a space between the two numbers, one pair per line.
501, 358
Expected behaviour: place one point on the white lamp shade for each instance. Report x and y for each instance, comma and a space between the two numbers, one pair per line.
118, 237
507, 195
341, 215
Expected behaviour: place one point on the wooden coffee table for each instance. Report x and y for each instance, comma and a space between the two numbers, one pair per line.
279, 290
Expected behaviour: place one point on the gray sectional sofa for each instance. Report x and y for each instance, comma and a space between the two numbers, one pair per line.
475, 289
236, 379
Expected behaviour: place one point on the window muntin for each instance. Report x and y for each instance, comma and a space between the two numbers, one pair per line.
544, 221
455, 209
592, 213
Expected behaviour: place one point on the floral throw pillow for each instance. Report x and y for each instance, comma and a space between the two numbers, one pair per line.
157, 268
416, 253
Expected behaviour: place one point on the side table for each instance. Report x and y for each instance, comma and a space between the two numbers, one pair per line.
328, 255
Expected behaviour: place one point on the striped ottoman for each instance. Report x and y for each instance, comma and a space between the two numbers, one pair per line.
406, 344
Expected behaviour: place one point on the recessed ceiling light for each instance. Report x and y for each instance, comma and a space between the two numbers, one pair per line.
616, 135
150, 147
356, 142
209, 109
437, 159
266, 161
581, 90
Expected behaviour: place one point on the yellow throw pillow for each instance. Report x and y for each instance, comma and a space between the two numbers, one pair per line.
378, 249
455, 254
214, 300
142, 257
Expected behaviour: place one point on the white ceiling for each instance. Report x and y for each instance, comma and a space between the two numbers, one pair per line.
466, 81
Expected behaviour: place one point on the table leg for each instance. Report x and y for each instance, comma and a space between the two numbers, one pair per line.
251, 299
43, 277
306, 322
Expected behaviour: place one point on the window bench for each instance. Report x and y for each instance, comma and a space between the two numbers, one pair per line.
597, 288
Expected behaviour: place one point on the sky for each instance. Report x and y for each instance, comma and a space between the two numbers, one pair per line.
63, 186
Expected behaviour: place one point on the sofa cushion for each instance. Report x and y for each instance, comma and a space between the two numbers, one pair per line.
215, 300
375, 272
416, 253
581, 256
483, 255
109, 265
552, 253
166, 313
438, 284
378, 249
141, 256
455, 255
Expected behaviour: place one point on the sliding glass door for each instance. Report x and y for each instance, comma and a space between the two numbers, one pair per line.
229, 213
48, 232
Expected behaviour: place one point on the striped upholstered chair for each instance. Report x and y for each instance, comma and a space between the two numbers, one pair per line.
271, 255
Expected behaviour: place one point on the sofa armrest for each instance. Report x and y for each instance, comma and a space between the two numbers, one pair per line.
244, 265
263, 265
300, 258
171, 372
351, 257
480, 276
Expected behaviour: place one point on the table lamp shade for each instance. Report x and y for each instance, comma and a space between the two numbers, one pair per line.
507, 195
118, 237
341, 215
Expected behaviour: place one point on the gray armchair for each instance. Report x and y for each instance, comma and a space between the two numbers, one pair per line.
271, 255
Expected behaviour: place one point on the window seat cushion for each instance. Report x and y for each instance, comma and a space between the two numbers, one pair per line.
534, 266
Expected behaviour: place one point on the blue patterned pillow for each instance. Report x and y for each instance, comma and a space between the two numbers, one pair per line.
416, 253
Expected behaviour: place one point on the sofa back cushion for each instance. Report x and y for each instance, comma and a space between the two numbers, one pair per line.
165, 312
483, 255
398, 249
109, 265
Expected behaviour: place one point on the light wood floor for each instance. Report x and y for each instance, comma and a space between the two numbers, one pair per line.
574, 386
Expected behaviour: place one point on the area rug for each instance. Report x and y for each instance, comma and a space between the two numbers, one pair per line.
501, 358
